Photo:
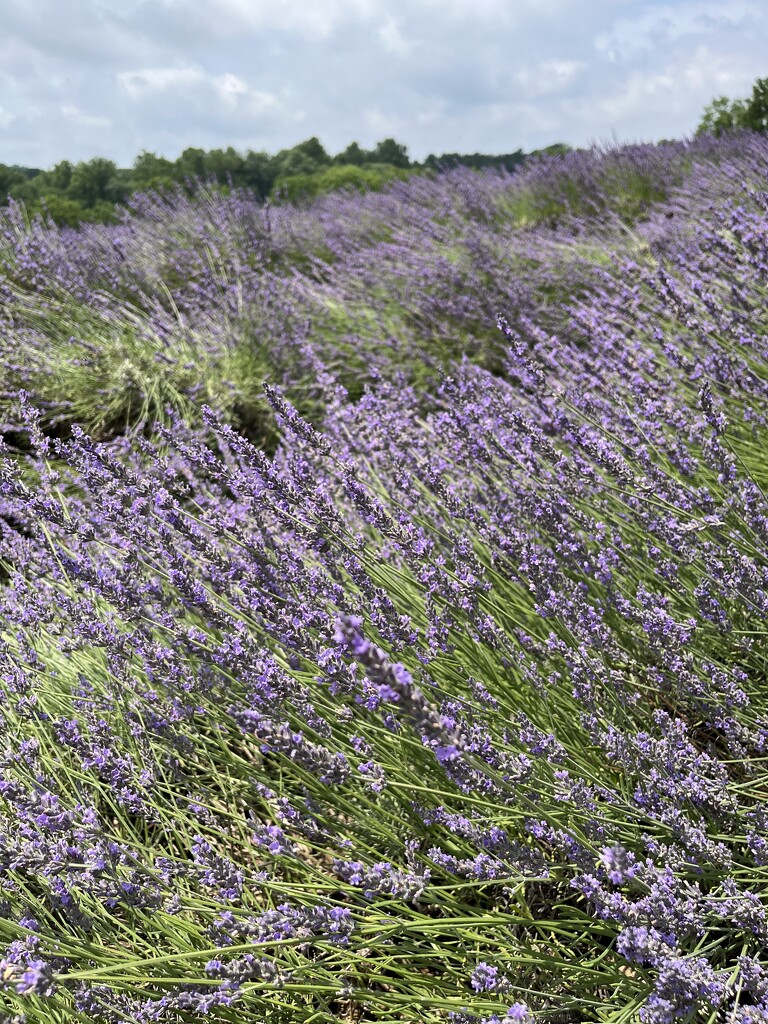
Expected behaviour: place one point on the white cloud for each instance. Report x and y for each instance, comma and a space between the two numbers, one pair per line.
317, 19
393, 39
146, 81
635, 95
550, 77
231, 90
379, 123
502, 13
113, 77
74, 114
708, 71
644, 31
676, 91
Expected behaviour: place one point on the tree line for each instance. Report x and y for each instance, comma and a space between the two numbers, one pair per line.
726, 115
92, 190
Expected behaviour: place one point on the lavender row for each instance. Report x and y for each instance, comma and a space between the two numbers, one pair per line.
193, 301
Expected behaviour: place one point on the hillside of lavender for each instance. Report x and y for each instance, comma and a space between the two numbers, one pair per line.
383, 601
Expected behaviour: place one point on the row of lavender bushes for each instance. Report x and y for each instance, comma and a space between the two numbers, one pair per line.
452, 708
197, 301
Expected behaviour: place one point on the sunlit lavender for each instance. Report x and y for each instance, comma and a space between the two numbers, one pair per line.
384, 589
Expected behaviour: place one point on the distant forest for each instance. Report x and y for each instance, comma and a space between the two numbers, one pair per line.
92, 190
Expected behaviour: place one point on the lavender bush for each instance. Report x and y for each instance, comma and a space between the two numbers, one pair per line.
193, 301
453, 708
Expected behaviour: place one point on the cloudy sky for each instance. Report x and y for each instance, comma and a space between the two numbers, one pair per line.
81, 78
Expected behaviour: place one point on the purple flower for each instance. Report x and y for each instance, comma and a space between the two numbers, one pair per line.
486, 978
36, 978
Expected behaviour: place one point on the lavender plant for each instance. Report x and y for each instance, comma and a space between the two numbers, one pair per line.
444, 711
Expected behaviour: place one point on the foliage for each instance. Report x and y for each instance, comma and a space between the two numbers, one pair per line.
756, 116
390, 152
372, 177
724, 115
96, 185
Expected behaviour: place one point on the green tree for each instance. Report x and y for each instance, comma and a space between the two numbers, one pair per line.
223, 164
477, 161
94, 181
257, 173
64, 212
555, 149
35, 185
314, 150
59, 178
306, 158
390, 152
151, 171
756, 111
10, 179
722, 115
191, 163
354, 155
339, 176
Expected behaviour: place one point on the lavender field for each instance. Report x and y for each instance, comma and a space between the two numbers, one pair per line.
384, 599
